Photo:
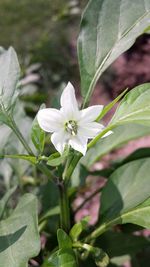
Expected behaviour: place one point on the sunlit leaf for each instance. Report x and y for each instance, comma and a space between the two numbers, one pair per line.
108, 28
135, 107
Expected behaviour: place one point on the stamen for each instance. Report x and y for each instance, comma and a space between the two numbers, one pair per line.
71, 127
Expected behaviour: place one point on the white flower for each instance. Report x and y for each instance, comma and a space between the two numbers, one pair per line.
70, 125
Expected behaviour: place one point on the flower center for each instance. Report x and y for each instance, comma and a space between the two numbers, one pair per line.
71, 127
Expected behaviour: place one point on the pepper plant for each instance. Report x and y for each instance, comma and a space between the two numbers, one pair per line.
63, 158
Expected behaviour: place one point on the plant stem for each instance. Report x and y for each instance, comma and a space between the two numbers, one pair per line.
17, 132
101, 229
15, 129
64, 207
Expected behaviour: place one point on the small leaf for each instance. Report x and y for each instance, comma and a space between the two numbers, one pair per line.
77, 229
67, 258
53, 260
113, 30
38, 135
5, 199
56, 159
19, 238
64, 240
135, 107
29, 158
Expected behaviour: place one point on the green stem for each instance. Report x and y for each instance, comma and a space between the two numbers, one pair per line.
101, 229
64, 207
15, 129
76, 158
95, 140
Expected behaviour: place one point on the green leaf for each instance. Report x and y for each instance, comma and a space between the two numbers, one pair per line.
52, 261
63, 257
140, 215
107, 30
64, 240
9, 76
137, 154
5, 199
56, 159
78, 228
19, 238
110, 105
38, 135
135, 107
67, 258
128, 191
118, 244
49, 198
29, 158
52, 212
121, 135
124, 189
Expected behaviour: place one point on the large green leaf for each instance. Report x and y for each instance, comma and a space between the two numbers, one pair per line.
19, 238
121, 135
126, 197
118, 244
124, 188
108, 28
9, 76
135, 107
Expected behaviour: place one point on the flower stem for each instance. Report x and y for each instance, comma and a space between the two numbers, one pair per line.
64, 207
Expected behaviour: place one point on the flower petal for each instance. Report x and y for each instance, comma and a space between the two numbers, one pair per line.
90, 130
59, 140
91, 113
50, 119
79, 143
69, 103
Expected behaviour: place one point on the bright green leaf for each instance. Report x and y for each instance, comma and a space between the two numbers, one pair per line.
19, 238
67, 258
135, 107
108, 28
64, 240
77, 229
